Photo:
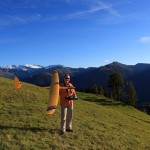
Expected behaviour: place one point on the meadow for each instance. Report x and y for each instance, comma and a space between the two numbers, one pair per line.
99, 123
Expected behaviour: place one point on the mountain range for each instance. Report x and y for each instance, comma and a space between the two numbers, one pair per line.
139, 74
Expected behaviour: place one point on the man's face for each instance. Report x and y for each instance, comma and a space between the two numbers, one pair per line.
67, 79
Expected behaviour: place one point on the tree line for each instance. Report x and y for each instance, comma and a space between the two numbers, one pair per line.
118, 89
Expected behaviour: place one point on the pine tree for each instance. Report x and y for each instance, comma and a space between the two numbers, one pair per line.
116, 84
101, 90
132, 95
105, 91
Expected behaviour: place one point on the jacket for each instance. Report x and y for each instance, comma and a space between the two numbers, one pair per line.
66, 92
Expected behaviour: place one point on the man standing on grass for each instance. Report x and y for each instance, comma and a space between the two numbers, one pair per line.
66, 102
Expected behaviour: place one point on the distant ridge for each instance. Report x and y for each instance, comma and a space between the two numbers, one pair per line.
139, 74
28, 67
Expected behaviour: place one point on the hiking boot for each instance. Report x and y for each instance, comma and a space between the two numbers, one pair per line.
69, 130
62, 132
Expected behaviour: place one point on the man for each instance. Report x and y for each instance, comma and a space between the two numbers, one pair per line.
66, 102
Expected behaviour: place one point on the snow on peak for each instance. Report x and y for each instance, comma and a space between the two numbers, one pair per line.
22, 67
10, 67
33, 66
29, 67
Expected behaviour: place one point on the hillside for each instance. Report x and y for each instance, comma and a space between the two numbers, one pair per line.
99, 123
85, 77
139, 74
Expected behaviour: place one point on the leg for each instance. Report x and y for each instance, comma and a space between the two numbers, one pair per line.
63, 118
69, 118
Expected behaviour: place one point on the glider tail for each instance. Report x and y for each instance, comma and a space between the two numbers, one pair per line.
17, 84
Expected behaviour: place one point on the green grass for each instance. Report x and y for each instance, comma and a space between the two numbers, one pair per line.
98, 123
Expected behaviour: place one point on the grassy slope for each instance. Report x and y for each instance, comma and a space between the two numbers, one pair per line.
102, 124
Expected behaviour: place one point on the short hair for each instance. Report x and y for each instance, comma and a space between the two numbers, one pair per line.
67, 74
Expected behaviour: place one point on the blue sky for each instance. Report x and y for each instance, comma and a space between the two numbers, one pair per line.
74, 33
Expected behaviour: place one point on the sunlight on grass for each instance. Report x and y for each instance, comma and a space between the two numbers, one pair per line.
99, 123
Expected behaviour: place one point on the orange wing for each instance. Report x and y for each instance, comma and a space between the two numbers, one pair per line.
17, 84
53, 94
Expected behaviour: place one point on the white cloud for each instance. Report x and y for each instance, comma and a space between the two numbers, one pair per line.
94, 7
15, 19
87, 7
145, 39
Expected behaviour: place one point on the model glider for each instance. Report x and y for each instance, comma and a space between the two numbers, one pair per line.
17, 84
54, 93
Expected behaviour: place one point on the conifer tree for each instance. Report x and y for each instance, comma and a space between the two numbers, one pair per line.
116, 84
132, 94
100, 90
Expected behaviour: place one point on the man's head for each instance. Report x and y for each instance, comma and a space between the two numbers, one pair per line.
66, 78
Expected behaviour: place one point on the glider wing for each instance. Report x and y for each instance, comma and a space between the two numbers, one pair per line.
53, 93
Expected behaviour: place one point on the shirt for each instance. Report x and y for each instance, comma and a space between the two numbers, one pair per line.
66, 92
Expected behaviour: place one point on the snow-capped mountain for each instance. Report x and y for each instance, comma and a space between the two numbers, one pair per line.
33, 66
27, 70
27, 67
22, 67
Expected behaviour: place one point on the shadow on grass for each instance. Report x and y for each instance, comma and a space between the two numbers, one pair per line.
104, 102
28, 128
